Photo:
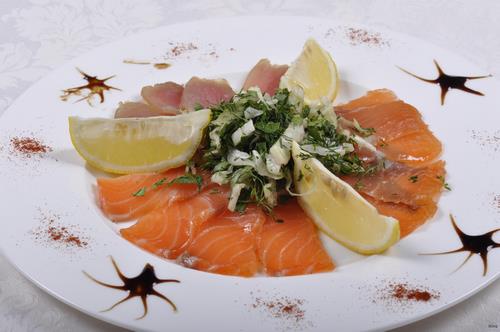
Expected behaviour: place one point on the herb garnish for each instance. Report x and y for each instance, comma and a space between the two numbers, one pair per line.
333, 149
248, 144
188, 178
140, 192
413, 178
443, 181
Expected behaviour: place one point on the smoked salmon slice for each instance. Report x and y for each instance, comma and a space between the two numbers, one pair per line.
402, 134
410, 218
116, 195
227, 244
168, 230
412, 186
289, 243
409, 189
409, 194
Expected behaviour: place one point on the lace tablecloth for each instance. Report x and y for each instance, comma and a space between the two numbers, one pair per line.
37, 36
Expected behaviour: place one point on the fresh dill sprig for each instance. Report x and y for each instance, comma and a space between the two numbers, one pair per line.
443, 181
188, 178
140, 192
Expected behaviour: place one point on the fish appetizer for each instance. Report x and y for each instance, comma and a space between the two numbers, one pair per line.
243, 182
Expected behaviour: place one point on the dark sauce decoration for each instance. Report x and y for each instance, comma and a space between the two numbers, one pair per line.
474, 244
95, 86
447, 82
141, 286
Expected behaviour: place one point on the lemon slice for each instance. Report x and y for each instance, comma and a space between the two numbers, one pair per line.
339, 211
134, 145
314, 72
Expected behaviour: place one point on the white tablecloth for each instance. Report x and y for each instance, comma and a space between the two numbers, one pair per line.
38, 35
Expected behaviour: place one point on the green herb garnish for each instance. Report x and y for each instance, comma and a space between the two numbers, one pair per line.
188, 178
443, 181
358, 185
140, 192
364, 132
248, 145
413, 178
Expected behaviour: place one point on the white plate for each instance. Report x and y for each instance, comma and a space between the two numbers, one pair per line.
61, 186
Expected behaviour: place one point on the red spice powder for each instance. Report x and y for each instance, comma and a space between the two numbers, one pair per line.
214, 54
29, 146
180, 49
487, 139
496, 202
52, 232
282, 307
361, 36
62, 234
403, 291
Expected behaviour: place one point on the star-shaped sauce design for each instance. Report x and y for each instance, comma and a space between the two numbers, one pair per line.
95, 87
447, 82
474, 244
140, 286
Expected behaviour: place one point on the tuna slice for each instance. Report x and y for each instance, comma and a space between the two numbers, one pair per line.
204, 92
266, 76
133, 109
164, 97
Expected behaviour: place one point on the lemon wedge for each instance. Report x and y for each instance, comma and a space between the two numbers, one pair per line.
315, 73
338, 210
134, 145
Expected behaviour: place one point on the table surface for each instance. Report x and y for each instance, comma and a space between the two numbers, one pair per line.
37, 36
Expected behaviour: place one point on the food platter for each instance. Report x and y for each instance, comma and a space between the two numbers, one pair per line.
44, 192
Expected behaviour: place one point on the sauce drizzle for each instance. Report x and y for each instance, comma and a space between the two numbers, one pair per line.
141, 286
474, 244
447, 82
95, 86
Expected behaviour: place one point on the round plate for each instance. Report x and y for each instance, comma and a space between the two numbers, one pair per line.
45, 192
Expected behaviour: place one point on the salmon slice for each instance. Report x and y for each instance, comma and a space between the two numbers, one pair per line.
289, 243
116, 195
410, 218
373, 97
409, 189
412, 186
402, 134
226, 244
168, 230
266, 76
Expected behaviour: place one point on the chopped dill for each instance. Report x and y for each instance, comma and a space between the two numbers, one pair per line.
248, 145
140, 192
443, 181
188, 178
358, 185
